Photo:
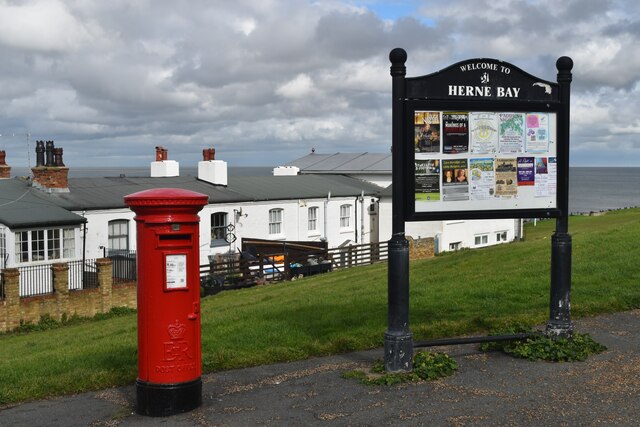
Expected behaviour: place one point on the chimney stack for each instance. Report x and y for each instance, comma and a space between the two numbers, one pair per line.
5, 170
50, 174
286, 170
211, 170
162, 167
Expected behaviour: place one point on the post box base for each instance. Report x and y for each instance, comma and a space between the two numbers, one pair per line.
161, 400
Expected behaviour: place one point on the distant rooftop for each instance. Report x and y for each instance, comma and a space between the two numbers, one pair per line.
344, 163
21, 205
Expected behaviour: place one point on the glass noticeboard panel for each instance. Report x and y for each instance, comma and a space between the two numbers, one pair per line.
475, 161
176, 271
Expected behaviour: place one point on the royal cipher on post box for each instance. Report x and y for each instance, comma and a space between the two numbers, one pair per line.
169, 356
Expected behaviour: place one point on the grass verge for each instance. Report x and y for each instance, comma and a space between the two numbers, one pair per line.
454, 294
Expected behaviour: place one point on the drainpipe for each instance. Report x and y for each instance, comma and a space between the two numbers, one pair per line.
362, 216
326, 208
84, 245
355, 226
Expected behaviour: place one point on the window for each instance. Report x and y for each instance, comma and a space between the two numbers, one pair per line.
53, 244
22, 246
68, 242
275, 221
37, 245
454, 246
3, 249
313, 218
218, 228
345, 216
119, 235
501, 236
42, 245
482, 239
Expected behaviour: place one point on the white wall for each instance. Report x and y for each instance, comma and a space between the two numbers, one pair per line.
253, 223
465, 232
449, 232
98, 229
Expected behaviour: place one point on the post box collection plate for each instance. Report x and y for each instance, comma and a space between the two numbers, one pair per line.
176, 271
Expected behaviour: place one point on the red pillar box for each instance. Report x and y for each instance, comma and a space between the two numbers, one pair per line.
169, 358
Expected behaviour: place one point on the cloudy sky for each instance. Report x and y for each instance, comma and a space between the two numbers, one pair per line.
265, 81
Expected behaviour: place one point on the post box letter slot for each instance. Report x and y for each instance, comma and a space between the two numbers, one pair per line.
172, 240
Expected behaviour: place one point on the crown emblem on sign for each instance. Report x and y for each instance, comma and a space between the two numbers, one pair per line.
177, 330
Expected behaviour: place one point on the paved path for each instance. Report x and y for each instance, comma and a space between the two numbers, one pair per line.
488, 389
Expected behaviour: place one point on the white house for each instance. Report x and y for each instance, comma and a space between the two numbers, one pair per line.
52, 217
376, 169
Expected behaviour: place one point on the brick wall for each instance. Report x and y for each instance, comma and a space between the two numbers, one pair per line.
5, 172
421, 248
50, 177
84, 303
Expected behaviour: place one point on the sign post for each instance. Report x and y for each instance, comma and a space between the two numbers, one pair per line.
398, 341
480, 139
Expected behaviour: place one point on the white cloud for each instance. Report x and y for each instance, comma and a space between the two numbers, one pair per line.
263, 80
245, 26
301, 86
41, 25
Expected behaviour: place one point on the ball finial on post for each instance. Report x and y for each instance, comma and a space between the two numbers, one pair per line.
564, 63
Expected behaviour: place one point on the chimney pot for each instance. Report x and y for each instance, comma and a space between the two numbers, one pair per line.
159, 153
209, 154
49, 153
5, 170
39, 153
57, 157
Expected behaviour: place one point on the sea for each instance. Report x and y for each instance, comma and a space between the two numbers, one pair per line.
591, 189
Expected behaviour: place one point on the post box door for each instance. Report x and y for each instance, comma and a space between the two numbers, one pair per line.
174, 344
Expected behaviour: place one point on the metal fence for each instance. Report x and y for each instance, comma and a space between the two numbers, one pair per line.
83, 274
36, 280
123, 264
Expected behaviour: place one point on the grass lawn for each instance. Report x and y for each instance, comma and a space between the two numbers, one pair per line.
467, 292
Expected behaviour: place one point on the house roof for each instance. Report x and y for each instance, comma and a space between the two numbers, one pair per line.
22, 206
109, 192
344, 163
300, 187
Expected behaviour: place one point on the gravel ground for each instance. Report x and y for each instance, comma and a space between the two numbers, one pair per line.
488, 389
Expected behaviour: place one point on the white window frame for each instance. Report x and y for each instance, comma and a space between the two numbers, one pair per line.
68, 243
119, 237
219, 228
501, 236
312, 219
345, 217
54, 244
3, 249
481, 239
455, 246
38, 241
276, 220
44, 244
